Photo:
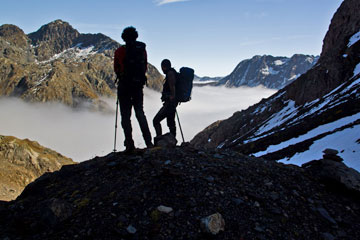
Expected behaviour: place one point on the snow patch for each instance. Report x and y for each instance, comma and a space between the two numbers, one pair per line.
268, 71
279, 118
313, 133
310, 60
279, 63
294, 77
357, 70
260, 110
348, 147
75, 53
354, 39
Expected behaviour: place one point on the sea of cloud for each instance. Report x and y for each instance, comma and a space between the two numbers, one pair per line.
82, 134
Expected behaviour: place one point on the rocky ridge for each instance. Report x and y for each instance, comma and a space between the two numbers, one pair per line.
181, 193
59, 64
269, 71
323, 102
23, 161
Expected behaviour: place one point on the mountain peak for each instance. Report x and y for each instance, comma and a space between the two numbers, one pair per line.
53, 38
59, 21
13, 34
53, 31
7, 30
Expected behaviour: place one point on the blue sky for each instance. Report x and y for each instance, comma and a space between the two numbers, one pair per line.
212, 36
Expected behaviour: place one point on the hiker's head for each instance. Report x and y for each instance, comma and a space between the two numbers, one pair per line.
129, 34
165, 65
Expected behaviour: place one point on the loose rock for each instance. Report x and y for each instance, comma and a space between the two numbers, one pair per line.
213, 224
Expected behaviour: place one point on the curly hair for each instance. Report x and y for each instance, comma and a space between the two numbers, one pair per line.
129, 34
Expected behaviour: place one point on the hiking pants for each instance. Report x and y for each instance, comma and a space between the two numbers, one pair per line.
167, 111
132, 96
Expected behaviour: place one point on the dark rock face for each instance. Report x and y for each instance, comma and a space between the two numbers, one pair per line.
58, 64
170, 193
53, 38
333, 68
326, 93
269, 71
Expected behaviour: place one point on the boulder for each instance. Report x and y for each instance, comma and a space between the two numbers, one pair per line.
166, 141
335, 173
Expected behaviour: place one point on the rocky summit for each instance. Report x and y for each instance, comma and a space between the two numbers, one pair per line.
181, 193
59, 64
23, 161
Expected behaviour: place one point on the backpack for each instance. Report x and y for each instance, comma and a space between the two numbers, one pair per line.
135, 63
184, 84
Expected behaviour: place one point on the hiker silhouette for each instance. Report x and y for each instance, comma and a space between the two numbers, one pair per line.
168, 110
130, 66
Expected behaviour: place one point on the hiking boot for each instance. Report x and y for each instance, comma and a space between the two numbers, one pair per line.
129, 149
149, 145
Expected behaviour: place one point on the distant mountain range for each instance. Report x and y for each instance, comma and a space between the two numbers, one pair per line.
269, 71
320, 109
57, 63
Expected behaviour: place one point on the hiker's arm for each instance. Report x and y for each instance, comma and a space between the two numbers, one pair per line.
118, 62
146, 63
172, 82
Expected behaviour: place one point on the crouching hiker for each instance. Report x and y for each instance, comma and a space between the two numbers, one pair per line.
168, 109
130, 66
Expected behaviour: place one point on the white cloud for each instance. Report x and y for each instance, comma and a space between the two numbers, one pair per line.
82, 135
162, 2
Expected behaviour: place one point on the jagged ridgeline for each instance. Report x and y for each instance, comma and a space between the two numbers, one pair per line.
269, 71
59, 64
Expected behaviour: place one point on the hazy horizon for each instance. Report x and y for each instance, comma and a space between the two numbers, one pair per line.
82, 135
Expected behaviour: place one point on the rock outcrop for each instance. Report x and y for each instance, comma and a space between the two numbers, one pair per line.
334, 173
59, 64
180, 193
22, 161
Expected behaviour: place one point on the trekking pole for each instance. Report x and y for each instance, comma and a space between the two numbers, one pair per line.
117, 109
182, 134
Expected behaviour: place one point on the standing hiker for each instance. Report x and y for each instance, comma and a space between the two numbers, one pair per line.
130, 66
168, 109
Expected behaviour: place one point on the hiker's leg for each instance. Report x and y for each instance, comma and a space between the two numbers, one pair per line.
138, 102
125, 110
161, 115
171, 119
